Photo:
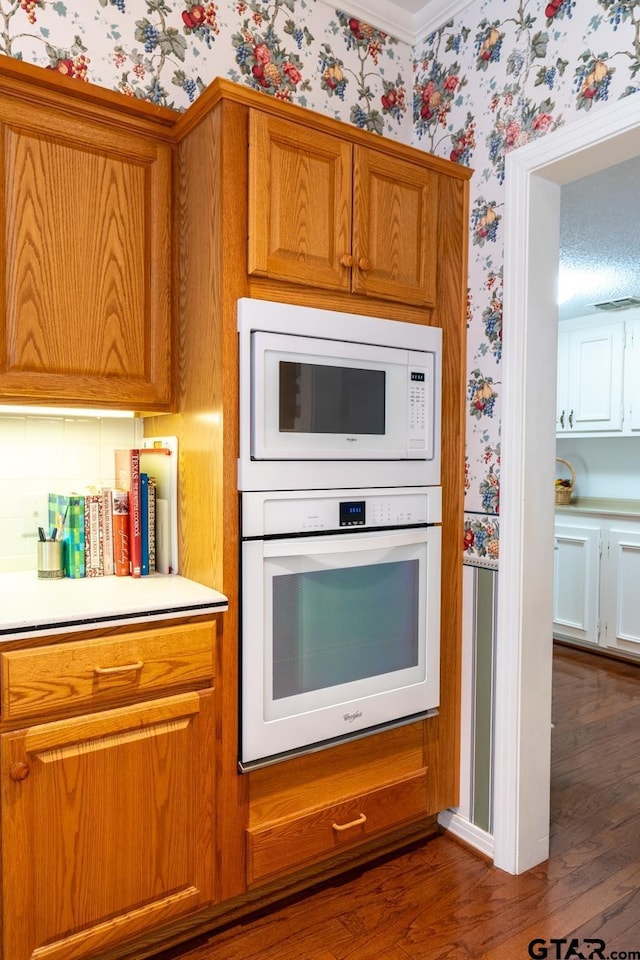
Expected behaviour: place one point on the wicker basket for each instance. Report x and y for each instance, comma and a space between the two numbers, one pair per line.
564, 494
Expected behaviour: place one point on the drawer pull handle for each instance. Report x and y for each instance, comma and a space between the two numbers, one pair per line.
352, 823
125, 668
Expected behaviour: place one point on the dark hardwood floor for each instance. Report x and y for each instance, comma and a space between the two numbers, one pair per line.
438, 901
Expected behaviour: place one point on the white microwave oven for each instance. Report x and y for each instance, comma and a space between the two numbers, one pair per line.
331, 399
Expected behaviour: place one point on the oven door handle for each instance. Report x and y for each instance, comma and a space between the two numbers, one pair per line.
347, 543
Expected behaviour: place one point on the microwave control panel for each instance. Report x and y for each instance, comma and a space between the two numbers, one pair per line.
417, 406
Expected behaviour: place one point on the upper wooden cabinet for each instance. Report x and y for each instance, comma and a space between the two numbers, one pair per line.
85, 294
327, 213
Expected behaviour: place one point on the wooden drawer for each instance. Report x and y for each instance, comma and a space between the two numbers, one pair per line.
68, 675
280, 846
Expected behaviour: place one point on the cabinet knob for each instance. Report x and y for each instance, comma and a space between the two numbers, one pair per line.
346, 260
364, 263
571, 419
19, 771
562, 419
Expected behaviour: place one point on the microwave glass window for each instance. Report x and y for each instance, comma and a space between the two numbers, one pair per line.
341, 625
323, 398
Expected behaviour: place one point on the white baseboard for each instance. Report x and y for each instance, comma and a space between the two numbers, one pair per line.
466, 831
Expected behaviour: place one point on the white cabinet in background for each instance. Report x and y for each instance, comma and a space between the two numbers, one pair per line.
621, 588
632, 379
576, 581
590, 379
597, 582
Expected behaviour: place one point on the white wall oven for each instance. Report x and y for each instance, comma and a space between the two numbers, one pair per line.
340, 616
339, 474
331, 399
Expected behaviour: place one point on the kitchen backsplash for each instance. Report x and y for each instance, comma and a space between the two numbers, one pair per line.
58, 453
604, 466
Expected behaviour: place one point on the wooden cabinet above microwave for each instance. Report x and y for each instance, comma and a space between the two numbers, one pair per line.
327, 213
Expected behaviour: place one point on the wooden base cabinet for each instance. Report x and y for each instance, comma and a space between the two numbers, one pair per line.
302, 813
108, 765
107, 826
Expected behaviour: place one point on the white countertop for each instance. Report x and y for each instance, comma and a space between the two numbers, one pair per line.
33, 607
602, 505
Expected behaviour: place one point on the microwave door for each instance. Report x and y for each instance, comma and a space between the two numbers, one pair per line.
314, 400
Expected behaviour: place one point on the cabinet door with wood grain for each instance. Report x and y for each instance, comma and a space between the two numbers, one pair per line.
86, 290
107, 826
299, 204
395, 223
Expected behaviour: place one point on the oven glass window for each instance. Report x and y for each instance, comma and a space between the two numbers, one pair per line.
322, 398
340, 625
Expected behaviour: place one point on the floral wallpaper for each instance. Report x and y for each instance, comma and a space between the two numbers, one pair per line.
499, 75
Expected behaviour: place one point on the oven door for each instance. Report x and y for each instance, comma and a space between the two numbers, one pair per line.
340, 635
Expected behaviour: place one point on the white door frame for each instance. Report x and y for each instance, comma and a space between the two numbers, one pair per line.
534, 176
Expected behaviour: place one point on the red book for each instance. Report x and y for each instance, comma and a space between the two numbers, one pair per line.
128, 478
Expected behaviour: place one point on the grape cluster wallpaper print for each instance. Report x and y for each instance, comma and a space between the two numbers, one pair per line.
498, 75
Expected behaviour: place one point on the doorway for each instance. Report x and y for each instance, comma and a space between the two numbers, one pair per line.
535, 175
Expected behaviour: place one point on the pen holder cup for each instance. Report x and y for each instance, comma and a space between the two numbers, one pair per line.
50, 559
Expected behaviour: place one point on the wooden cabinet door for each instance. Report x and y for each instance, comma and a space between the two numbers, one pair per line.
395, 219
299, 204
86, 241
576, 582
106, 826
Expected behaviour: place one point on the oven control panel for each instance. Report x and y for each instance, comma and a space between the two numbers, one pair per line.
316, 511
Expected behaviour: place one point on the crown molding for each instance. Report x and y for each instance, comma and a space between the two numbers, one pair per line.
408, 27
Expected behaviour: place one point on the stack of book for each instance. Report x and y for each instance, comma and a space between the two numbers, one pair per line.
110, 531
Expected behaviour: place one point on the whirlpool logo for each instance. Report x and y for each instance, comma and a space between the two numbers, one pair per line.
351, 439
350, 717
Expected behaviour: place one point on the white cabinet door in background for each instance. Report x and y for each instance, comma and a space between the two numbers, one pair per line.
595, 379
632, 379
621, 593
576, 582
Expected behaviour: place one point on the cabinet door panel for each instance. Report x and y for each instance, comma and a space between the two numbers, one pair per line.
576, 582
622, 611
395, 218
299, 203
87, 247
107, 826
595, 379
631, 378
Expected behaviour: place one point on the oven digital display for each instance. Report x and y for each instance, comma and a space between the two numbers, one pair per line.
352, 513
416, 375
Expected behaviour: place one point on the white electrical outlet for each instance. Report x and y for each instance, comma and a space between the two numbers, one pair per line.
34, 515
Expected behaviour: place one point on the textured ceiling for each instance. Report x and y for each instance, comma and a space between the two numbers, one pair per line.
599, 239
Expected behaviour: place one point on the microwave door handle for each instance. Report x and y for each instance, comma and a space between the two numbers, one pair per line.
347, 543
